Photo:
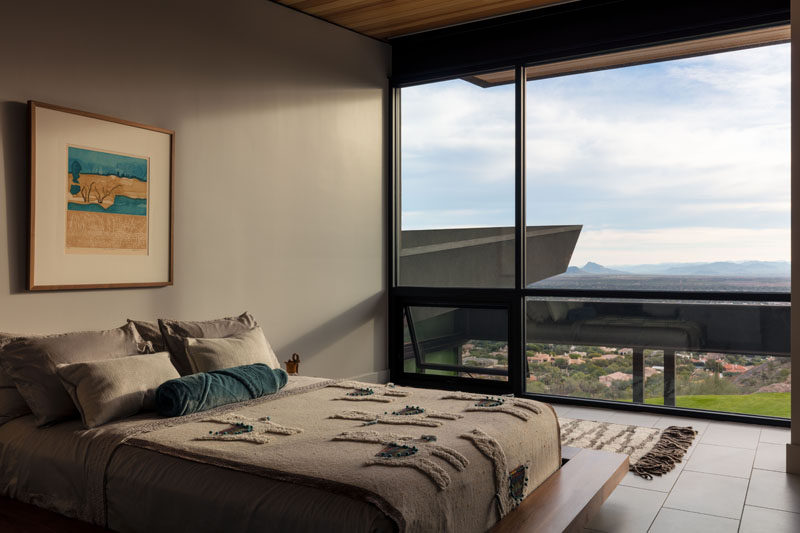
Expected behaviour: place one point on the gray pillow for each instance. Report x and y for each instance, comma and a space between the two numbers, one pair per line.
31, 364
244, 348
151, 333
174, 331
12, 405
116, 388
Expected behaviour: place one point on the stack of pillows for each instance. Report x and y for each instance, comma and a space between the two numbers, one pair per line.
106, 375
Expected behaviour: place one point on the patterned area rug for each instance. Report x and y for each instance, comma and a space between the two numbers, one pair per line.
652, 451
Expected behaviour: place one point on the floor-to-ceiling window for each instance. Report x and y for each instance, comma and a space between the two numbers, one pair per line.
621, 234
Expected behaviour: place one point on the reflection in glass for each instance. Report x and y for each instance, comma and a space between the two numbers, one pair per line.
457, 185
731, 357
467, 342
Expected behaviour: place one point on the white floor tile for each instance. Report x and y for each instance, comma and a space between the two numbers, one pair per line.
721, 460
588, 413
635, 419
760, 520
735, 435
628, 510
774, 490
771, 457
672, 520
776, 435
709, 494
692, 448
660, 483
697, 424
562, 410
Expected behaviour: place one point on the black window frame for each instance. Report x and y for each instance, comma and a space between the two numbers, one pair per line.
630, 27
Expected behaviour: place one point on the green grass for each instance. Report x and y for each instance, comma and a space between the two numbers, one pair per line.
763, 403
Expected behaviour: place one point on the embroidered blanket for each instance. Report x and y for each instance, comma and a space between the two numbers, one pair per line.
430, 460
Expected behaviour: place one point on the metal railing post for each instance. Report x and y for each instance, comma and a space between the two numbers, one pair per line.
638, 375
669, 377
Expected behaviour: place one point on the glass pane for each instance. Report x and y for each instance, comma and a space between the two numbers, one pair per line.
581, 371
456, 341
731, 357
457, 185
734, 383
752, 327
676, 175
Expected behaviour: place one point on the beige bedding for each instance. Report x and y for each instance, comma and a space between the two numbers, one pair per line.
147, 490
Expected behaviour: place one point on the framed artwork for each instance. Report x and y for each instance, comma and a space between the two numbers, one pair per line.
101, 206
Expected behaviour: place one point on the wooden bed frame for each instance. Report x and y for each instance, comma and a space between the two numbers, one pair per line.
566, 501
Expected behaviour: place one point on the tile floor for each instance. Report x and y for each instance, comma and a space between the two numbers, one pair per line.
731, 480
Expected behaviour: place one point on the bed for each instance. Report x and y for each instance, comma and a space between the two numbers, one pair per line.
314, 454
123, 474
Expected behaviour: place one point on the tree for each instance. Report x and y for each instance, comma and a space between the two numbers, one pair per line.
716, 367
105, 193
86, 192
76, 171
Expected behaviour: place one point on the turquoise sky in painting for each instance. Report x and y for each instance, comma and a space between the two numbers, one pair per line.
104, 163
82, 161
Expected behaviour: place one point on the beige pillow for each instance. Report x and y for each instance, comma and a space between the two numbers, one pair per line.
175, 331
116, 388
12, 405
31, 362
244, 348
151, 333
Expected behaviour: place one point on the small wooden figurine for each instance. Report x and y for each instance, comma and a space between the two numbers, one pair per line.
293, 365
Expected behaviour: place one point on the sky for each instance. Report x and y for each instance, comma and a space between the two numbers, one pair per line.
678, 161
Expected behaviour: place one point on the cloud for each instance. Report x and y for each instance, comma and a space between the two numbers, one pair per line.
693, 143
695, 244
450, 218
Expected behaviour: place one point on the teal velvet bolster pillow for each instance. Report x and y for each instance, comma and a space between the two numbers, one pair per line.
200, 392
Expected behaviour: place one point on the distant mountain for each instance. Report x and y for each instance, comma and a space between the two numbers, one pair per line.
594, 269
761, 269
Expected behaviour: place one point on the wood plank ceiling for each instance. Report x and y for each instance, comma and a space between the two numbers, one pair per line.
385, 19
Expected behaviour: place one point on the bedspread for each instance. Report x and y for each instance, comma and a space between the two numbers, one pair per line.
431, 460
426, 459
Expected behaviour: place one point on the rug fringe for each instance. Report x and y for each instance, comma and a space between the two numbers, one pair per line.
668, 451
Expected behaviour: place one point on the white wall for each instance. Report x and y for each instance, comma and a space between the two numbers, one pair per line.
280, 165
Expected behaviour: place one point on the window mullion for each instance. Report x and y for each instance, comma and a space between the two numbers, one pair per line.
517, 311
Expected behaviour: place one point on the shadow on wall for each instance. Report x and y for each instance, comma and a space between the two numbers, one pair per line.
13, 134
315, 341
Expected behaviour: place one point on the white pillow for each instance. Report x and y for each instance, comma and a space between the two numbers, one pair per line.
115, 388
245, 348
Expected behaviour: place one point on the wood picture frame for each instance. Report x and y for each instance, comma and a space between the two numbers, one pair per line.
101, 211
